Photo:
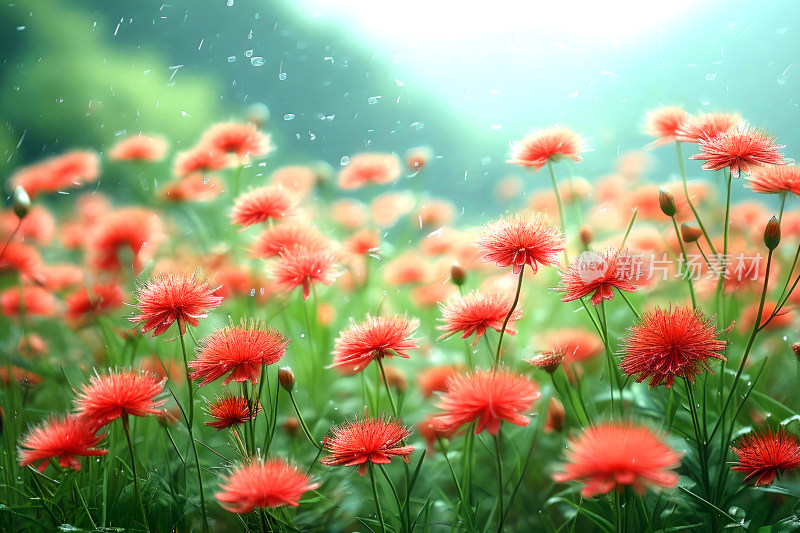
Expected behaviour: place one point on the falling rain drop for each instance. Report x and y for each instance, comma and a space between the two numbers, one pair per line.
248, 53
257, 61
282, 76
344, 161
231, 59
288, 116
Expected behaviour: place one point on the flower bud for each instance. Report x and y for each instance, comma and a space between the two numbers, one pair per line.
458, 275
286, 378
772, 233
796, 349
549, 360
667, 203
22, 202
586, 235
690, 233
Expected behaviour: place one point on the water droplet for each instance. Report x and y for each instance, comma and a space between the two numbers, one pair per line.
288, 116
373, 99
705, 100
282, 76
261, 291
231, 59
205, 180
711, 76
302, 335
16, 88
248, 53
252, 292
230, 3
311, 136
782, 79
257, 61
344, 161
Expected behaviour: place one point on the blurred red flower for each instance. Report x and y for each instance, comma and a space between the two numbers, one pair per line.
261, 205
364, 169
302, 267
664, 123
243, 140
537, 148
270, 483
136, 229
706, 126
139, 148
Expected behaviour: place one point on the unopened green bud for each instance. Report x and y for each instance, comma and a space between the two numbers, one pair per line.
772, 233
22, 202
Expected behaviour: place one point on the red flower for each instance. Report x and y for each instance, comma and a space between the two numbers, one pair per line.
277, 239
775, 179
241, 350
139, 148
31, 300
244, 140
537, 148
304, 266
664, 124
191, 188
435, 379
765, 454
738, 149
615, 454
298, 180
520, 240
596, 274
174, 296
125, 392
231, 411
72, 169
549, 360
363, 242
261, 205
104, 296
270, 483
372, 440
200, 159
487, 398
706, 126
138, 230
369, 168
21, 258
666, 344
376, 337
475, 312
62, 438
410, 267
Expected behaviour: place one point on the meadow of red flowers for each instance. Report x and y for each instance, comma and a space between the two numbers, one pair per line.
259, 353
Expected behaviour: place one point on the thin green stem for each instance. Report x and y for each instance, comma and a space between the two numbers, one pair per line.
394, 491
303, 423
631, 222
630, 305
236, 179
126, 429
388, 388
561, 216
377, 499
500, 484
783, 204
612, 373
508, 317
686, 273
701, 443
83, 502
689, 198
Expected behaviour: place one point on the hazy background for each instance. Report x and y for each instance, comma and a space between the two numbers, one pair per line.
343, 77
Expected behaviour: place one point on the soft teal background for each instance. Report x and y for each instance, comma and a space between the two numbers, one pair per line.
84, 73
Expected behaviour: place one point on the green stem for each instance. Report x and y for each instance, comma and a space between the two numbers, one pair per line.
508, 317
83, 502
394, 493
701, 443
783, 203
689, 199
560, 207
500, 484
126, 429
388, 388
685, 274
303, 423
236, 181
612, 373
377, 499
631, 222
630, 305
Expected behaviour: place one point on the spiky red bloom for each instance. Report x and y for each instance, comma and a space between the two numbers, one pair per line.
372, 440
72, 169
261, 205
597, 274
775, 179
302, 267
475, 312
369, 168
615, 454
139, 148
707, 126
174, 296
61, 438
487, 398
124, 392
765, 454
270, 483
241, 350
537, 148
136, 229
519, 240
244, 140
549, 360
669, 343
230, 411
738, 149
376, 337
31, 300
102, 297
664, 123
277, 239
200, 159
